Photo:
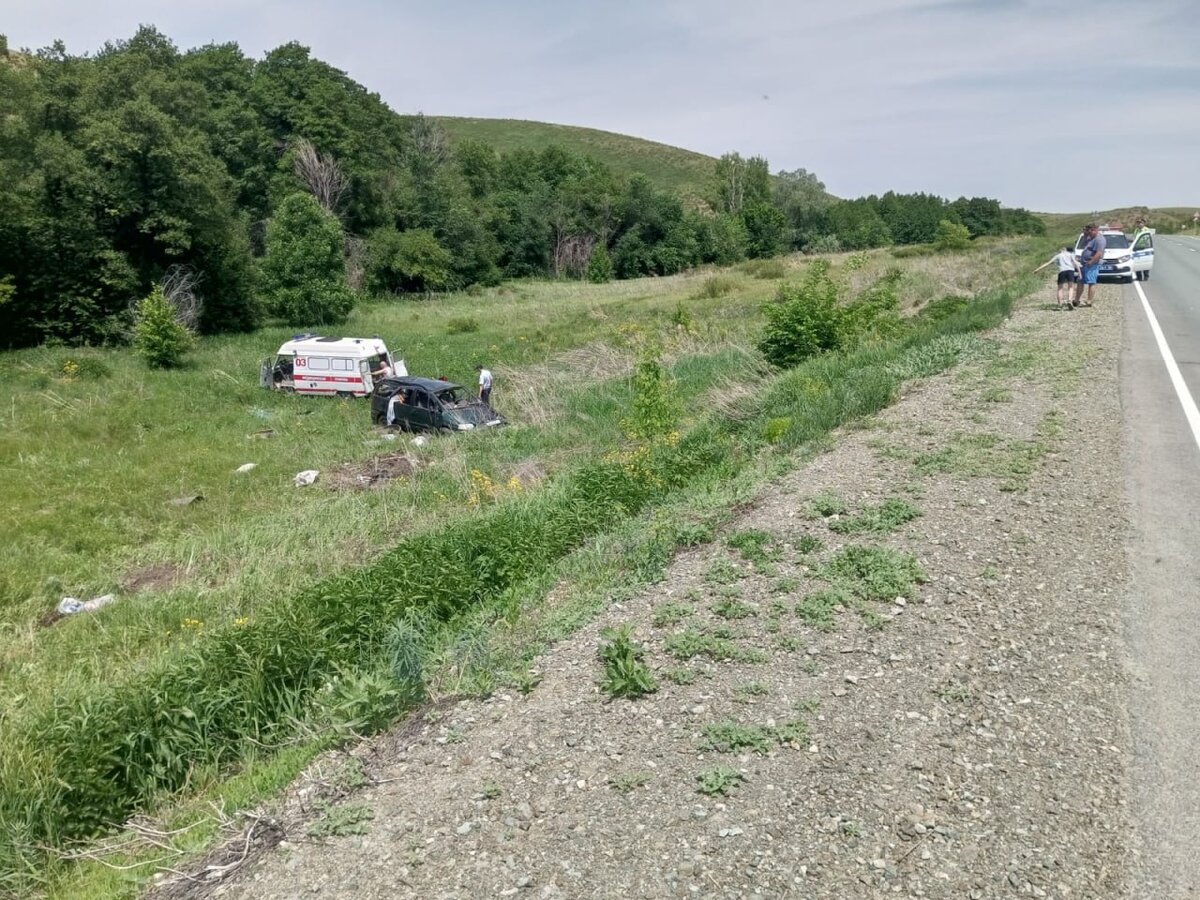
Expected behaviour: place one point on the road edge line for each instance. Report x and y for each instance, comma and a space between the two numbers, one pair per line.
1185, 397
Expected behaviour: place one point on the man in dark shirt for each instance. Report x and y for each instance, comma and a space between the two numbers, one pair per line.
1089, 262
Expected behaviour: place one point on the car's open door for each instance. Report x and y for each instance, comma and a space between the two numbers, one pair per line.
1143, 254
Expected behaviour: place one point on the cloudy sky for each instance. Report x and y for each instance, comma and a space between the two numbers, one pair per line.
1056, 106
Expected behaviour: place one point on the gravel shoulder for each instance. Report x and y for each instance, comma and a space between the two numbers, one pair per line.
968, 740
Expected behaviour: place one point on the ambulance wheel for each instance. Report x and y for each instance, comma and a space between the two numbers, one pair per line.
345, 395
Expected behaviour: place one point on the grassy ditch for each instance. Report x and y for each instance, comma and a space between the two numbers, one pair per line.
337, 649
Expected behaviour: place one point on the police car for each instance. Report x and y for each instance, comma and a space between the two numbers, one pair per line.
1124, 259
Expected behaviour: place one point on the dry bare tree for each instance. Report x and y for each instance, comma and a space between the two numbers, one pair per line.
571, 254
322, 174
179, 287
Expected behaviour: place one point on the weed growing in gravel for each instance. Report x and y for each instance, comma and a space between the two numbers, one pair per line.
490, 791
808, 544
728, 736
886, 517
818, 609
874, 573
827, 504
777, 608
711, 643
719, 781
785, 585
525, 681
339, 821
955, 692
627, 782
789, 644
625, 675
810, 667
672, 613
683, 675
732, 608
752, 689
722, 571
996, 394
851, 829
756, 546
806, 705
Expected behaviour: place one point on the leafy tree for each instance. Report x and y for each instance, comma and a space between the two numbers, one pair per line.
766, 229
303, 274
802, 199
981, 215
738, 183
722, 239
951, 236
599, 267
406, 262
159, 337
858, 225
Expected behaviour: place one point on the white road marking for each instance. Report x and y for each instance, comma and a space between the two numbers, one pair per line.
1181, 389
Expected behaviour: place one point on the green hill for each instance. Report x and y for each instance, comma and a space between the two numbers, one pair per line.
671, 168
1166, 219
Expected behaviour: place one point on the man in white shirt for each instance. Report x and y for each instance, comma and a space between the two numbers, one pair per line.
485, 385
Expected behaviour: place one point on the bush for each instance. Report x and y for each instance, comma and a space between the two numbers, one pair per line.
714, 287
599, 267
158, 336
823, 243
462, 325
655, 410
407, 262
303, 274
766, 269
804, 319
952, 236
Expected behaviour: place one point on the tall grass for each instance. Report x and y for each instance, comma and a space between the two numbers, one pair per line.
98, 752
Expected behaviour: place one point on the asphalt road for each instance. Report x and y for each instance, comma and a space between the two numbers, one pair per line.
1163, 604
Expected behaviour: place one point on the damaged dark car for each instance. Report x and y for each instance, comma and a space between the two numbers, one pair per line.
427, 404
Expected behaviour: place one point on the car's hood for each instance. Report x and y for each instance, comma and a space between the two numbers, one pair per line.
476, 413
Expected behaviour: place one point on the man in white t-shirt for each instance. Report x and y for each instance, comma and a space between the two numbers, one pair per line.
485, 385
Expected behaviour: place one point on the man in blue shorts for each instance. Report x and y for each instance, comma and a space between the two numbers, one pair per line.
1089, 261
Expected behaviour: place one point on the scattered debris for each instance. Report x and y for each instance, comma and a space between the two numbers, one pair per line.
265, 433
186, 500
372, 472
245, 467
420, 440
70, 605
308, 476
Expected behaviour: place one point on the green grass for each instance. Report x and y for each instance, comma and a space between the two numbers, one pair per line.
323, 650
673, 168
887, 516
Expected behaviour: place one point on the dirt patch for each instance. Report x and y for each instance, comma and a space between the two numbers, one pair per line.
371, 473
151, 578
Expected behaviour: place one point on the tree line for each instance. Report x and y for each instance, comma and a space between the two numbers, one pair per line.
285, 189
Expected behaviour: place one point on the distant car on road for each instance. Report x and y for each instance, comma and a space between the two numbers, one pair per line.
428, 404
1124, 260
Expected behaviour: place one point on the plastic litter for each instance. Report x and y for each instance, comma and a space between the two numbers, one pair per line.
187, 500
420, 440
70, 605
389, 436
308, 476
245, 467
258, 435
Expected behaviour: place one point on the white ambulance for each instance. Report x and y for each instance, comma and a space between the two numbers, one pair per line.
329, 366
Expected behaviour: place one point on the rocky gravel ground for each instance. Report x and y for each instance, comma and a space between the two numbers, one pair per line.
959, 737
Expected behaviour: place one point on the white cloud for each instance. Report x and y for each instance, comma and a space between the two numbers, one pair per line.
1017, 99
